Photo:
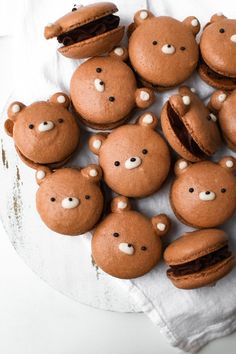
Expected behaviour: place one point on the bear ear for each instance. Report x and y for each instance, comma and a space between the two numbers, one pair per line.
95, 143
217, 100
8, 126
161, 224
181, 166
148, 119
42, 173
120, 53
92, 172
229, 163
144, 97
193, 24
52, 30
142, 16
14, 109
120, 204
61, 98
181, 102
217, 17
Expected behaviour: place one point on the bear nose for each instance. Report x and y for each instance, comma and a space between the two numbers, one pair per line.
233, 38
126, 248
133, 162
207, 195
168, 49
46, 126
70, 203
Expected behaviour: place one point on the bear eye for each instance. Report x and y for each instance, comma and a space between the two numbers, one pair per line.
116, 234
191, 190
221, 30
182, 48
223, 190
31, 126
87, 196
98, 70
53, 199
112, 98
143, 248
117, 163
144, 151
154, 42
60, 120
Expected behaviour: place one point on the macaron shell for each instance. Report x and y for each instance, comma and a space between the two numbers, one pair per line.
227, 120
149, 60
221, 84
194, 245
205, 277
97, 45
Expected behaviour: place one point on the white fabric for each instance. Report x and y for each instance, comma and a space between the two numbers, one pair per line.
189, 319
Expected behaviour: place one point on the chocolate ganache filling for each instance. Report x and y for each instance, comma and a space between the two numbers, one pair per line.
92, 29
214, 75
182, 133
200, 263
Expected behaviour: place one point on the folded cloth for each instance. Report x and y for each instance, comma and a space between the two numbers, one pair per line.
189, 319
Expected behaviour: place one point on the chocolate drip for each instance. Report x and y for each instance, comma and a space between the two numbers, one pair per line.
92, 29
200, 263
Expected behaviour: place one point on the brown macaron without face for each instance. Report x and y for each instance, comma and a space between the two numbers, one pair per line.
69, 201
163, 51
134, 158
45, 132
104, 91
126, 244
203, 195
225, 105
199, 258
189, 127
87, 31
218, 51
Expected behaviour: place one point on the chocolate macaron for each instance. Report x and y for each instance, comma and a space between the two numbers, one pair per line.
189, 127
199, 258
87, 31
218, 50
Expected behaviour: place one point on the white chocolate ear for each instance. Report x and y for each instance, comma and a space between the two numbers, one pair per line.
142, 16
217, 17
14, 109
144, 97
180, 104
161, 224
229, 163
92, 172
181, 166
193, 24
61, 98
120, 53
42, 173
120, 204
95, 143
148, 119
52, 30
217, 100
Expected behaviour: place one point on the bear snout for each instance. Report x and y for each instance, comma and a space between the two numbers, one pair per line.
45, 126
70, 203
168, 49
126, 248
133, 162
207, 196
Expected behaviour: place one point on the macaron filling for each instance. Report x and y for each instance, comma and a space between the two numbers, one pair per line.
89, 30
200, 264
183, 134
215, 75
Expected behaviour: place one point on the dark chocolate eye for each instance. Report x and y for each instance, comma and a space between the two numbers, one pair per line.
116, 234
143, 248
223, 190
221, 30
87, 196
144, 151
74, 9
31, 126
53, 199
182, 48
154, 42
191, 190
60, 120
98, 70
111, 98
117, 163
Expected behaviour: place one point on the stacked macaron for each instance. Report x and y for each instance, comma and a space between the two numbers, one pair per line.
134, 160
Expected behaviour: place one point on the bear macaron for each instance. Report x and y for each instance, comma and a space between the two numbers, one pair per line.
126, 244
189, 127
163, 51
203, 195
87, 31
44, 132
134, 158
104, 91
69, 200
199, 258
218, 50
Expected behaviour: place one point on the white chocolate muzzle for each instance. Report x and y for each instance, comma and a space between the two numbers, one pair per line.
207, 196
168, 49
70, 203
133, 162
45, 126
126, 248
